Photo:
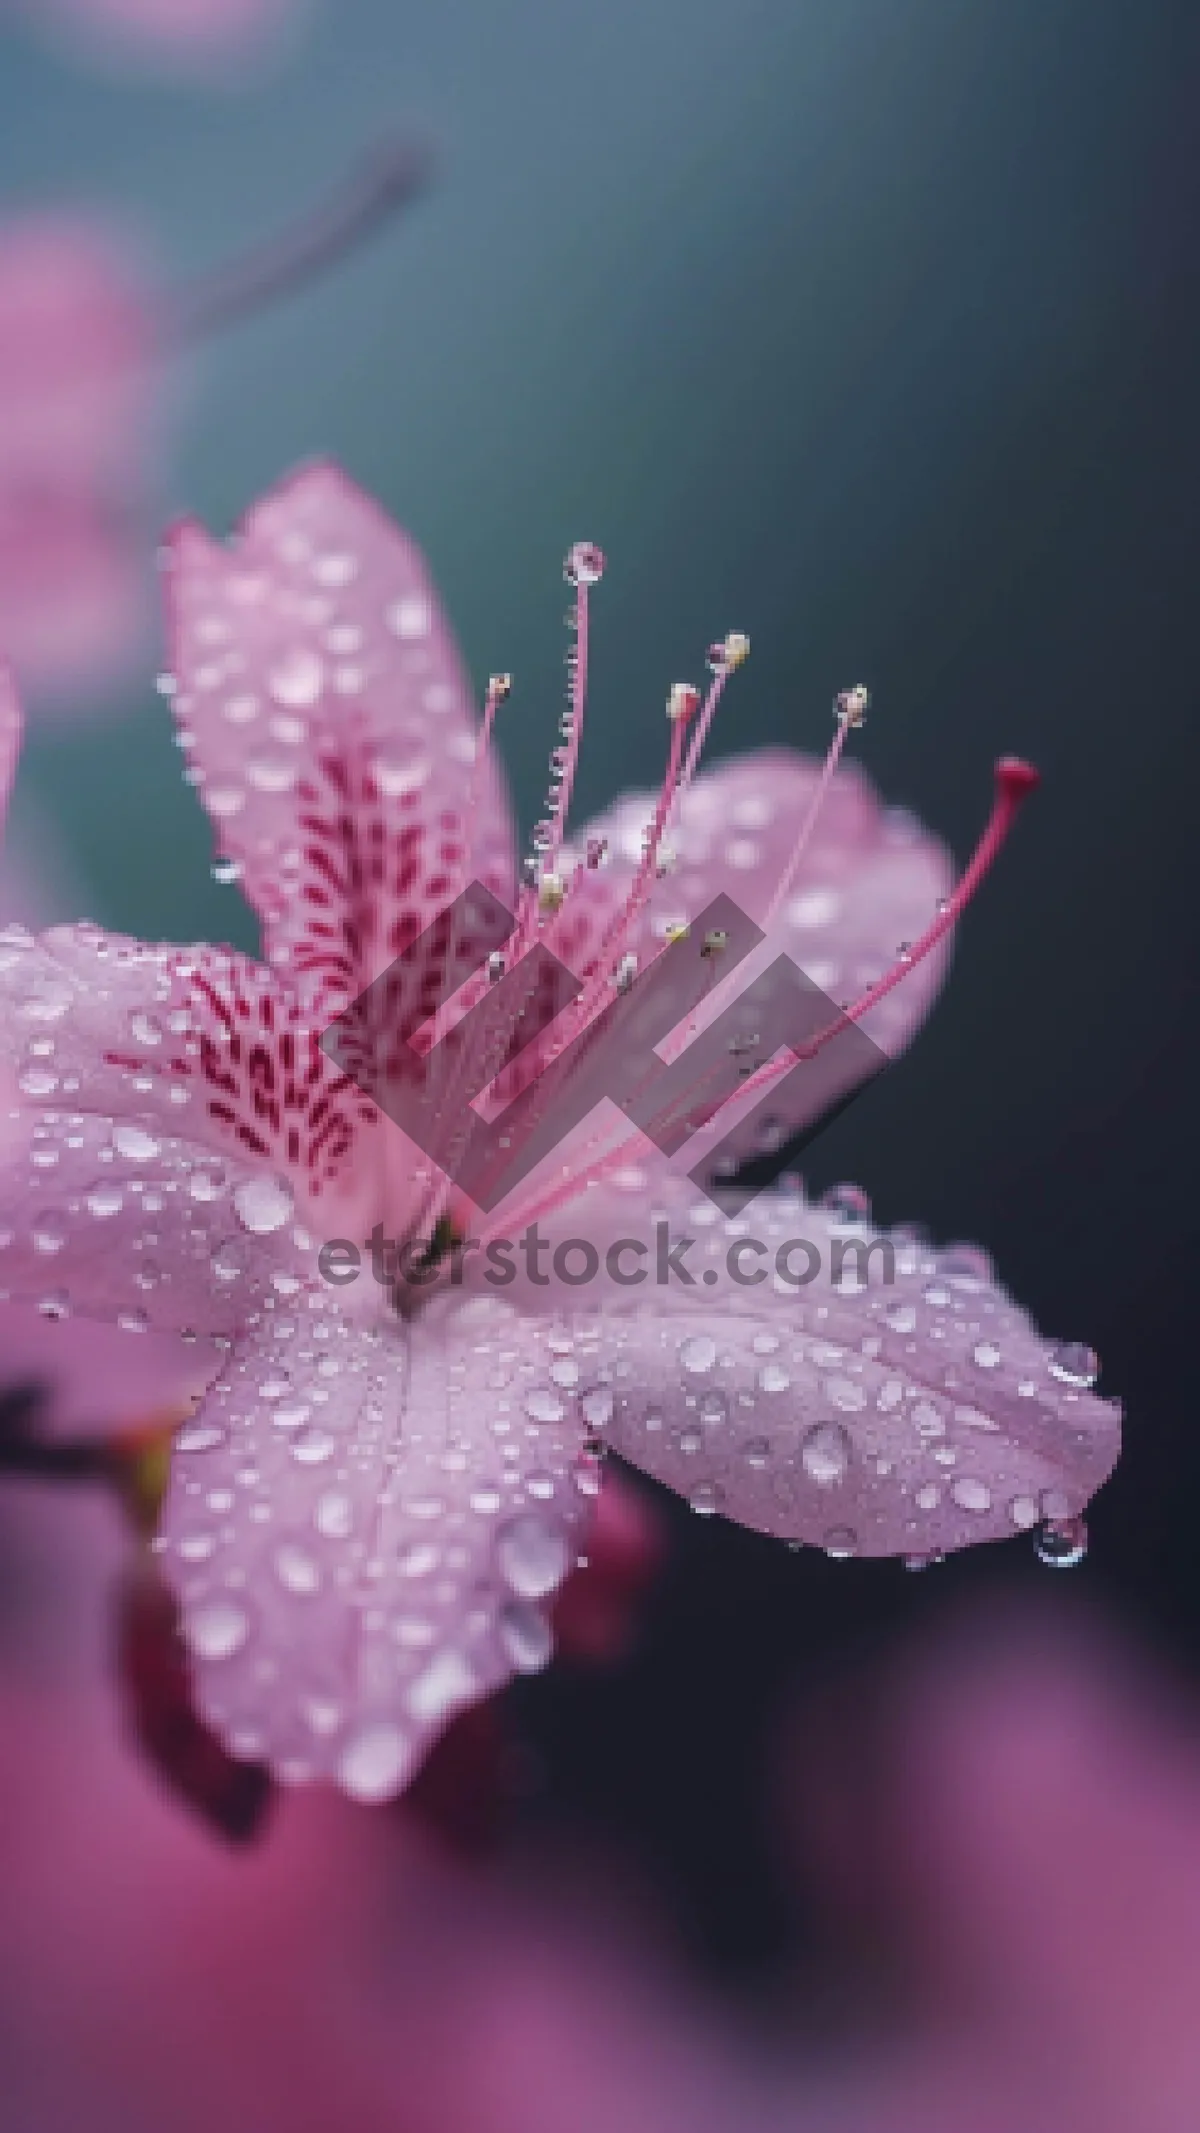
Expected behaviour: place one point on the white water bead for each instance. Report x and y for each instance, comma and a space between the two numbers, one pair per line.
216, 1629
297, 678
532, 1555
375, 1762
263, 1204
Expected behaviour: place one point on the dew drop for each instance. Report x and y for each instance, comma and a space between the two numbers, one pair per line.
271, 773
597, 1407
296, 679
1074, 1363
263, 1204
1061, 1543
296, 1570
374, 1762
135, 1144
200, 1437
313, 1448
543, 1405
706, 1497
334, 1515
217, 1629
848, 1205
525, 1636
698, 1354
825, 1454
532, 1555
840, 1542
971, 1495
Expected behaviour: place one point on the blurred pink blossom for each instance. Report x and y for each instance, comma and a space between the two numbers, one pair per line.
78, 424
372, 1504
182, 34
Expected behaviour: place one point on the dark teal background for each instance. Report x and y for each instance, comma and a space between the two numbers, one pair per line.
868, 327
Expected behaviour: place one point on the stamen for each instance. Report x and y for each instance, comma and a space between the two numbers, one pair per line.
392, 176
722, 660
1014, 781
583, 568
850, 709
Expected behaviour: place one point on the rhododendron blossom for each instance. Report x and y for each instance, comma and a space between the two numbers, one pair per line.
388, 1479
77, 422
85, 343
192, 34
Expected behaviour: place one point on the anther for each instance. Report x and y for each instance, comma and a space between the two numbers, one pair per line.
852, 705
584, 563
683, 701
731, 652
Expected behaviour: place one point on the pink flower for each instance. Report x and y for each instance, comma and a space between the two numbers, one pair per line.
76, 435
192, 34
373, 1503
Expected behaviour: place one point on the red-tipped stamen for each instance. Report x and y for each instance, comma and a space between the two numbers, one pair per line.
1015, 780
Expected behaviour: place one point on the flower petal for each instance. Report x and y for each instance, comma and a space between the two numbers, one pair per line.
814, 1397
330, 724
360, 1526
114, 1220
200, 1041
870, 880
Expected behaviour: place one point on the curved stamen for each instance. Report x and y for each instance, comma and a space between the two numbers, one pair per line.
391, 177
849, 713
1015, 780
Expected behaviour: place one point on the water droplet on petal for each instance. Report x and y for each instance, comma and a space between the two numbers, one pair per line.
532, 1555
296, 679
848, 1205
216, 1629
135, 1144
374, 1762
1061, 1543
263, 1204
525, 1636
698, 1354
597, 1407
840, 1542
825, 1453
971, 1495
1074, 1363
200, 1437
313, 1448
706, 1497
985, 1354
103, 1201
334, 1515
543, 1405
296, 1570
